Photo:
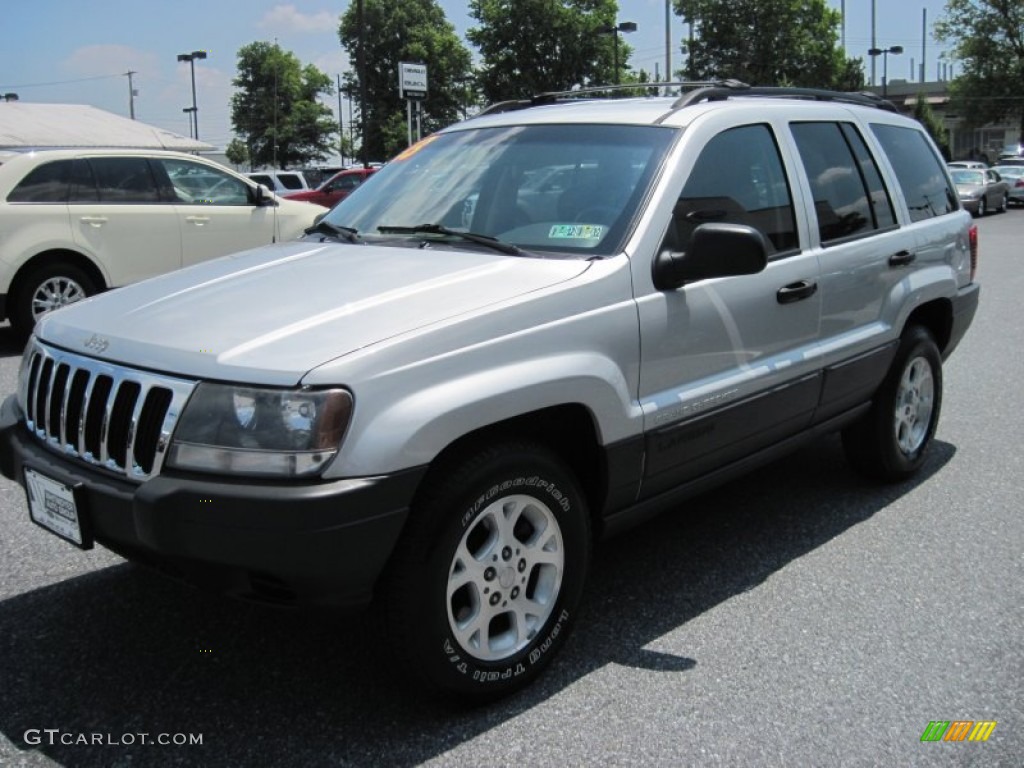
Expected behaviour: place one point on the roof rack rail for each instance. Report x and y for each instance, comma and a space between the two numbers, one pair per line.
553, 97
727, 88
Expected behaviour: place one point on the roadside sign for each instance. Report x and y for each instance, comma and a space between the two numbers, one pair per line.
412, 81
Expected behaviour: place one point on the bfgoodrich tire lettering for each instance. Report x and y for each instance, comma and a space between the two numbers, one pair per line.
890, 442
487, 579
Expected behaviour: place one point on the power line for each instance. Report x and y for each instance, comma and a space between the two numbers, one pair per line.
65, 82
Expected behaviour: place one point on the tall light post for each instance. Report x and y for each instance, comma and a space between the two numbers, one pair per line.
884, 53
191, 59
190, 111
614, 29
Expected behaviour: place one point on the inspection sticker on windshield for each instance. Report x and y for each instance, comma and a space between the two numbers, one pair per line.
576, 232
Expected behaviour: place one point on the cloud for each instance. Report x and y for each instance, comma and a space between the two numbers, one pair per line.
98, 60
288, 18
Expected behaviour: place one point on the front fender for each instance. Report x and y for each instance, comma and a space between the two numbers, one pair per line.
412, 430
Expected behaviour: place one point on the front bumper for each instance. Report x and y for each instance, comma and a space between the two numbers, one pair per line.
321, 543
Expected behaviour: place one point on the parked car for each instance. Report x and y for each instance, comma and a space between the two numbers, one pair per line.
975, 164
981, 190
335, 189
280, 182
444, 409
76, 222
1013, 175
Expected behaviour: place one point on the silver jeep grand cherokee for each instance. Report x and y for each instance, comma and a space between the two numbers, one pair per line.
529, 330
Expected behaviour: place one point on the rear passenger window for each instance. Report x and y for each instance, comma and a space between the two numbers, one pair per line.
124, 180
919, 171
738, 178
48, 183
849, 197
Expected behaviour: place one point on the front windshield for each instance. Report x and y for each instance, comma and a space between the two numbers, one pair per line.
562, 189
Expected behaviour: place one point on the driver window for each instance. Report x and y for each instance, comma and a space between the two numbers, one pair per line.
199, 184
739, 179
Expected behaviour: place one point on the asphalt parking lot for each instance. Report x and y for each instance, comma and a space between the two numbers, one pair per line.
795, 618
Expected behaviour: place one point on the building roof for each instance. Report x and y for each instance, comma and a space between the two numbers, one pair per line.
36, 126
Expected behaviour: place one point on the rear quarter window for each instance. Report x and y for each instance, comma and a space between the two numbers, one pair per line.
47, 183
919, 171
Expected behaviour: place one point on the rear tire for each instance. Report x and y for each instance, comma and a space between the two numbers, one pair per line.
44, 289
1004, 206
982, 210
890, 442
485, 583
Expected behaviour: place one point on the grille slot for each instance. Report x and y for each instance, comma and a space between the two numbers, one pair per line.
109, 416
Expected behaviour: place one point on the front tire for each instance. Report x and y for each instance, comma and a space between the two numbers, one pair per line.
890, 442
981, 207
485, 584
1004, 206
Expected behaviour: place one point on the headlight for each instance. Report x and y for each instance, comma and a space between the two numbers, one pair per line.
233, 429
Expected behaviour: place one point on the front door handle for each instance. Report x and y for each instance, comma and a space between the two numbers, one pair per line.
94, 221
198, 220
901, 259
801, 289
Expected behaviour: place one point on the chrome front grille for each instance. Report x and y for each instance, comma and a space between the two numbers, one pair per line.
103, 414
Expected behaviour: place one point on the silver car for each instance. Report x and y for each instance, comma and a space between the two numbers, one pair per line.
1013, 175
981, 190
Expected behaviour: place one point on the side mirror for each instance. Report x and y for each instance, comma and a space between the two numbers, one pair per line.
715, 250
264, 196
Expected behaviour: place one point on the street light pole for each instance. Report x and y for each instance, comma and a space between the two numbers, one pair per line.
612, 29
884, 52
191, 59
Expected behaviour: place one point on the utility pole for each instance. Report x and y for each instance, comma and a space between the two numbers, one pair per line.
668, 43
924, 39
874, 43
341, 128
361, 64
131, 93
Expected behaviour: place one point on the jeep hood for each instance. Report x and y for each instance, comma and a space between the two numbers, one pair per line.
270, 315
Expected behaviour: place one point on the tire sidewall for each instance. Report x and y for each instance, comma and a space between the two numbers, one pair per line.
443, 660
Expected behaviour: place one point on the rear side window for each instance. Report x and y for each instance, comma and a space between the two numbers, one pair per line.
919, 171
290, 180
124, 180
262, 178
849, 197
47, 183
739, 179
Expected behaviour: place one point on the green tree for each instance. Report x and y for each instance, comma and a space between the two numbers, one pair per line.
237, 152
768, 42
533, 46
413, 31
275, 109
926, 116
988, 38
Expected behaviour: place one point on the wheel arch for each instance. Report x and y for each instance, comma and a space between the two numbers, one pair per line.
567, 430
937, 317
56, 256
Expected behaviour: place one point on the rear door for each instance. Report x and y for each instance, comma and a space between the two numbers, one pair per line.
118, 215
729, 365
863, 252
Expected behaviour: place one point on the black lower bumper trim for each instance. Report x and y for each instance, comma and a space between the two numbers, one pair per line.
321, 542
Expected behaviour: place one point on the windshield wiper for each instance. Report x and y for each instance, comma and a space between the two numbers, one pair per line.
438, 229
348, 234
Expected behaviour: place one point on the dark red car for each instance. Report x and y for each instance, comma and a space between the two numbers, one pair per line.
336, 188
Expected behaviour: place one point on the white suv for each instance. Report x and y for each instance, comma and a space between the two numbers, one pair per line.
76, 222
529, 330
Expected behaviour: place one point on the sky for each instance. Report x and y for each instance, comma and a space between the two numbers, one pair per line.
77, 51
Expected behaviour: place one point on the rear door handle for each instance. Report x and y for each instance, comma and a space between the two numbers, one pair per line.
901, 259
94, 221
198, 220
801, 289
